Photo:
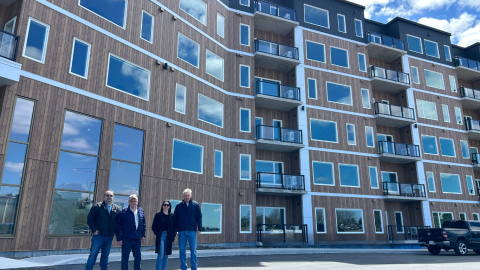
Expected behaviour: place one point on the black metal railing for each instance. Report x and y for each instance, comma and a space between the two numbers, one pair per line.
404, 233
280, 181
469, 92
278, 134
465, 62
287, 233
275, 10
385, 40
277, 90
476, 159
471, 124
274, 48
404, 190
392, 75
8, 45
393, 110
400, 149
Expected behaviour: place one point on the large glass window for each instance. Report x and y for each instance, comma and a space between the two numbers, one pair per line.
35, 46
195, 8
362, 62
210, 111
218, 164
351, 138
426, 109
245, 167
349, 220
373, 177
447, 147
429, 144
245, 34
312, 88
339, 57
448, 55
458, 115
415, 76
399, 222
431, 48
146, 32
431, 182
245, 120
465, 151
245, 218
378, 221
316, 16
114, 11
187, 157
450, 183
180, 98
358, 28
321, 225
339, 93
323, 173
369, 136
366, 98
349, 176
220, 25
80, 58
322, 130
453, 84
214, 65
414, 44
211, 218
188, 50
315, 51
244, 76
440, 217
446, 113
271, 172
128, 77
434, 79
270, 215
342, 27
471, 190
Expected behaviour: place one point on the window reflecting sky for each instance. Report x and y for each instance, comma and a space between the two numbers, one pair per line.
323, 173
365, 98
244, 35
429, 145
188, 50
434, 79
450, 183
128, 78
127, 144
214, 65
316, 16
348, 175
188, 157
180, 93
431, 49
76, 172
12, 173
196, 8
22, 119
81, 133
80, 58
211, 217
341, 23
323, 130
369, 135
446, 145
147, 26
125, 177
351, 134
315, 51
112, 10
373, 177
218, 163
244, 76
245, 167
244, 120
362, 62
36, 40
339, 57
9, 203
414, 44
210, 111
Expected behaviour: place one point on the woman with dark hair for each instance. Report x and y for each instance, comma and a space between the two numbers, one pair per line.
165, 228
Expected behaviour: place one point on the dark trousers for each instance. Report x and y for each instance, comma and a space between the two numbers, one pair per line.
134, 246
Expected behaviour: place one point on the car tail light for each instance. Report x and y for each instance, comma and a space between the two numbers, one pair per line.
444, 234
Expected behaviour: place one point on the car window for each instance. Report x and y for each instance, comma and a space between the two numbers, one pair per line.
454, 224
475, 226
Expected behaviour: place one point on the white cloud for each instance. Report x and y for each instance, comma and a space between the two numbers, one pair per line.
418, 5
475, 4
371, 5
464, 29
13, 166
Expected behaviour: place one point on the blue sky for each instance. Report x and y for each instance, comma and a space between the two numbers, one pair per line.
459, 17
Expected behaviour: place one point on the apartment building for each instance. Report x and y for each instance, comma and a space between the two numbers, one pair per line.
297, 122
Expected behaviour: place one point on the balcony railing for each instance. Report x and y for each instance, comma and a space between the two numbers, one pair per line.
476, 159
401, 149
470, 93
8, 45
287, 233
471, 124
278, 134
392, 75
276, 10
280, 181
276, 49
393, 110
385, 40
465, 62
277, 90
403, 233
404, 190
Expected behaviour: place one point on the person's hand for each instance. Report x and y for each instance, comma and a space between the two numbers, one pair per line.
96, 233
143, 239
198, 233
120, 242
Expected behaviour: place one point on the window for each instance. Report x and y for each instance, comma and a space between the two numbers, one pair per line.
80, 58
475, 216
146, 32
245, 218
214, 65
458, 115
440, 217
414, 44
358, 28
320, 220
270, 215
339, 93
187, 157
245, 34
341, 23
431, 182
112, 11
180, 98
448, 55
195, 8
270, 173
447, 147
315, 51
373, 177
450, 183
316, 16
244, 76
369, 136
362, 62
245, 120
434, 79
429, 144
471, 191
426, 109
218, 164
349, 176
465, 151
339, 57
210, 111
312, 88
188, 50
415, 76
378, 221
35, 46
322, 130
366, 98
211, 218
245, 167
351, 134
446, 113
128, 77
245, 3
323, 173
349, 220
431, 48
463, 216
399, 222
453, 84
220, 25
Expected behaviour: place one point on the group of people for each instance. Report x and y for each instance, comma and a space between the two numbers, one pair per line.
129, 226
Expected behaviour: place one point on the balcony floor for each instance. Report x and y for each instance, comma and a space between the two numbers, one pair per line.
277, 146
394, 198
273, 24
10, 72
279, 192
467, 74
473, 135
385, 53
388, 86
470, 103
393, 121
276, 103
392, 158
275, 62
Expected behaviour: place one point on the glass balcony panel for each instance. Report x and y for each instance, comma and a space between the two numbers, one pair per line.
384, 108
472, 64
391, 187
268, 88
468, 92
399, 44
279, 134
392, 75
412, 150
8, 45
294, 182
474, 124
388, 41
379, 72
462, 62
287, 51
397, 111
287, 13
289, 92
267, 47
267, 8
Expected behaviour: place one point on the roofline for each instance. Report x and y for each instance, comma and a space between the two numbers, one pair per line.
468, 47
351, 3
408, 21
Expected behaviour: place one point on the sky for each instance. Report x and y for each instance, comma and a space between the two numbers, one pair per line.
459, 17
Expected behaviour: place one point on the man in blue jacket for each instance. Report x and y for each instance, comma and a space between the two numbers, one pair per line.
189, 217
130, 232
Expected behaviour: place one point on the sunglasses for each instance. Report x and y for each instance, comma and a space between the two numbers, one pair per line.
166, 204
108, 195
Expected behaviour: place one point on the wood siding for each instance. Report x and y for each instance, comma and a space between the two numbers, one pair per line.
437, 169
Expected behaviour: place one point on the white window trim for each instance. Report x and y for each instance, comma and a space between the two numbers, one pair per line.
198, 54
365, 58
450, 77
240, 34
361, 26
333, 173
240, 2
433, 178
206, 65
368, 93
124, 16
436, 145
472, 182
449, 53
475, 214
184, 98
370, 177
87, 64
459, 184
354, 134
348, 57
206, 12
218, 14
344, 23
240, 218
249, 120
418, 75
340, 173
221, 164
386, 135
396, 225
173, 151
221, 218
363, 220
443, 113
324, 51
308, 85
381, 221
438, 51
322, 120
14, 19
443, 81
349, 86
151, 30
366, 137
324, 220
457, 109
421, 45
468, 149
148, 71
198, 110
453, 143
328, 16
438, 215
460, 215
240, 76
45, 45
396, 177
249, 167
423, 111
281, 122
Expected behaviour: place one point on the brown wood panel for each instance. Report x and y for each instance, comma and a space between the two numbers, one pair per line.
290, 160
401, 135
446, 71
394, 65
289, 203
438, 100
455, 208
398, 99
7, 13
268, 115
284, 40
447, 134
437, 169
273, 75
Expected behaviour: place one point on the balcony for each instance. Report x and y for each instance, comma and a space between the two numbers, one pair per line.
476, 163
393, 191
10, 70
280, 184
281, 234
470, 98
393, 115
467, 69
278, 139
274, 19
401, 153
276, 96
473, 129
387, 80
274, 56
384, 47
404, 234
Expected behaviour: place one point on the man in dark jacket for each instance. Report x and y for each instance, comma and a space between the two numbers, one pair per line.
130, 231
102, 220
188, 216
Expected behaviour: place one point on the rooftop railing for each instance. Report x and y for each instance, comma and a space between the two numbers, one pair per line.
278, 134
287, 233
469, 92
385, 40
465, 62
277, 90
280, 181
275, 10
276, 49
392, 75
393, 110
8, 45
400, 149
404, 190
471, 124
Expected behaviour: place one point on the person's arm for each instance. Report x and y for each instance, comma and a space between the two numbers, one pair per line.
175, 215
155, 224
91, 218
118, 229
199, 218
144, 226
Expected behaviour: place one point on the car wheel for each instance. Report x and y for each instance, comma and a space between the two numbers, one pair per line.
477, 251
434, 250
461, 248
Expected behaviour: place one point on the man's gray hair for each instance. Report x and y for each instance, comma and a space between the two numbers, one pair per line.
187, 190
108, 191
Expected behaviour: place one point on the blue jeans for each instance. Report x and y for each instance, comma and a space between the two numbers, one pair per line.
162, 259
99, 242
191, 236
134, 246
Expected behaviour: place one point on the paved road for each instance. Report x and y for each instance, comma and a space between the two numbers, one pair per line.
446, 260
